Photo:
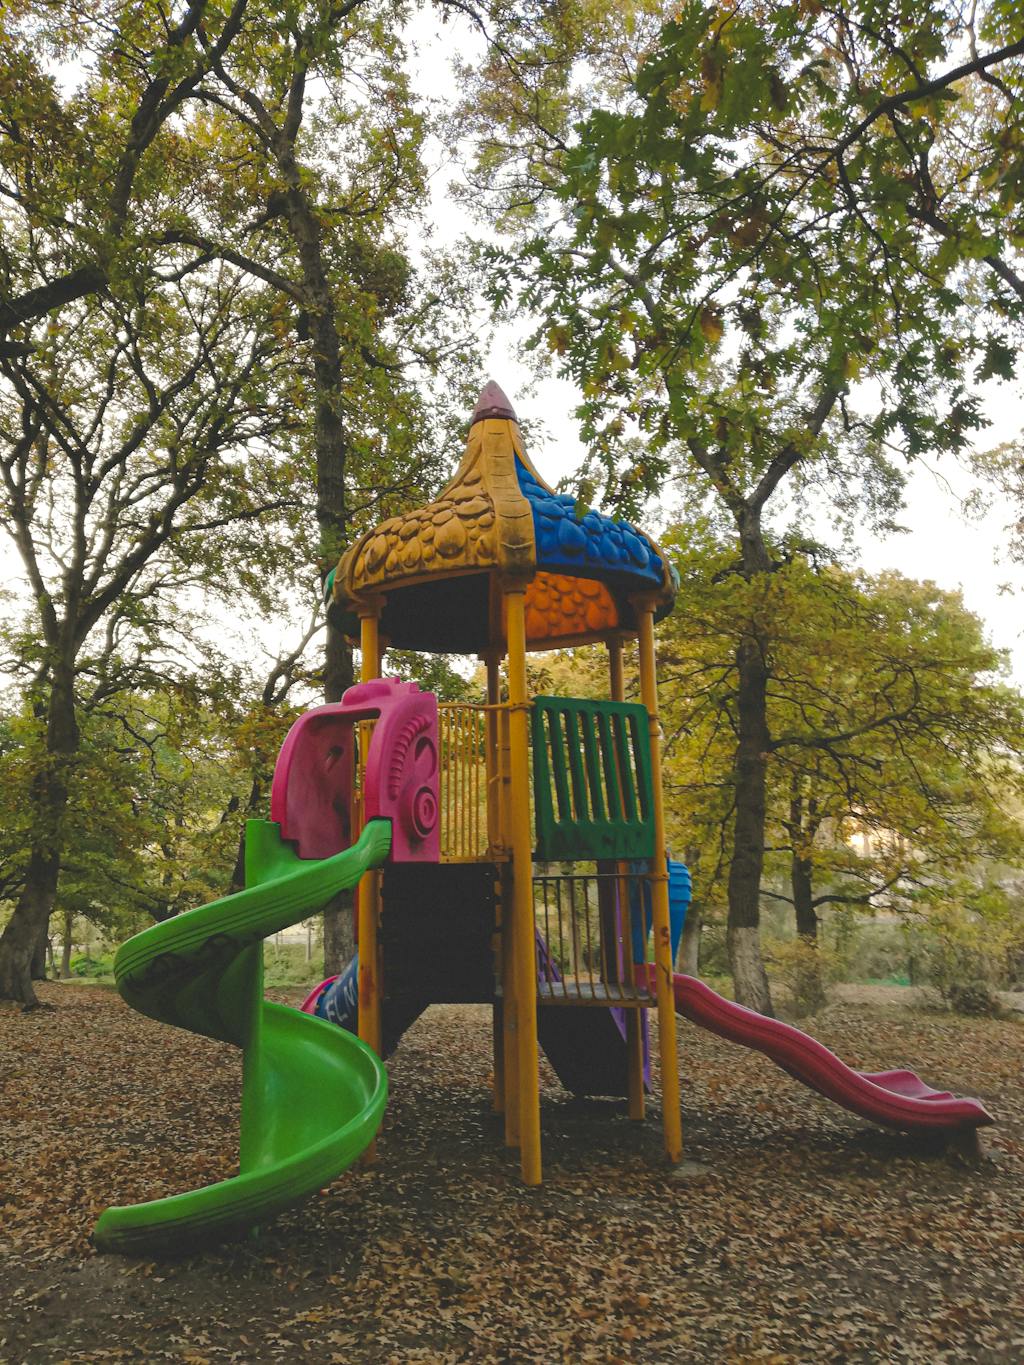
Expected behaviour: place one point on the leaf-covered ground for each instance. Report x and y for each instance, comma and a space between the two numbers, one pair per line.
794, 1232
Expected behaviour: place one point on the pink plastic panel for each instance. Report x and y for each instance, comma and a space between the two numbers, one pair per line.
311, 794
310, 797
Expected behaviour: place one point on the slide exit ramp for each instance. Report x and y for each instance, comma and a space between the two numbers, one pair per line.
312, 1095
897, 1099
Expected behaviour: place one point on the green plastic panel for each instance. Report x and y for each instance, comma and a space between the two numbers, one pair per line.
593, 793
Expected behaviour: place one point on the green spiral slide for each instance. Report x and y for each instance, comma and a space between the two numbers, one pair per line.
312, 1095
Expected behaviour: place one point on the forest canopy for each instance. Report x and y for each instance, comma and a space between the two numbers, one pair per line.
776, 248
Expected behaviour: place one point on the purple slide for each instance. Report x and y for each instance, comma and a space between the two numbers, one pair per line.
897, 1099
586, 1047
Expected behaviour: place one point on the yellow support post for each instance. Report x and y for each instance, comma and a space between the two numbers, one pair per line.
510, 1036
634, 1031
492, 776
524, 1016
671, 1115
369, 886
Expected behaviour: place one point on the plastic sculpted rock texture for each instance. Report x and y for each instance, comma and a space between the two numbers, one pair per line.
498, 516
591, 543
311, 794
480, 521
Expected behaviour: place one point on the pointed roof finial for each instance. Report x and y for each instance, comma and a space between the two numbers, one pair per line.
492, 403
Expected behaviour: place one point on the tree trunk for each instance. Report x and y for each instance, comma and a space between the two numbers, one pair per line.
339, 918
803, 826
65, 956
331, 499
810, 995
750, 774
29, 923
688, 957
38, 967
800, 877
339, 933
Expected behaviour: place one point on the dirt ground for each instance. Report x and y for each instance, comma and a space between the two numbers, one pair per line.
793, 1232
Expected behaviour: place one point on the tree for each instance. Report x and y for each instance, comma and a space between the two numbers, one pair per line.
132, 447
78, 194
284, 145
894, 759
155, 800
709, 281
897, 748
318, 182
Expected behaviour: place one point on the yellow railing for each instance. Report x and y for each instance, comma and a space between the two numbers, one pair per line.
473, 781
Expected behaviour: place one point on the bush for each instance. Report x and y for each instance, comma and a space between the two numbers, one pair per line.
961, 956
286, 965
871, 950
806, 969
974, 998
714, 951
83, 966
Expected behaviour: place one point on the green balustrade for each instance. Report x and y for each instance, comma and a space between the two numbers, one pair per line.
593, 794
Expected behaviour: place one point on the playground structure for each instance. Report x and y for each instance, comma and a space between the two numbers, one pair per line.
510, 853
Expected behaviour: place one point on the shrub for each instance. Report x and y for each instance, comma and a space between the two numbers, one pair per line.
83, 966
871, 950
286, 965
974, 998
806, 969
961, 956
714, 952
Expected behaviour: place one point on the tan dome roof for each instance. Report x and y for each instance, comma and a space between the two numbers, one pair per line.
497, 515
480, 521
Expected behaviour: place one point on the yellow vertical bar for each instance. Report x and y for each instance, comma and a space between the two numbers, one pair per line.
671, 1116
446, 760
509, 1014
493, 779
508, 958
465, 782
456, 775
464, 765
634, 1031
616, 671
369, 886
479, 724
523, 931
491, 756
460, 795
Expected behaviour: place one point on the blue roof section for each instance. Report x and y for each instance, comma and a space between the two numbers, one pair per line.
594, 545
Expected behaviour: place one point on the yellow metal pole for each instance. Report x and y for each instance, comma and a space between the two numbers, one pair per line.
616, 671
369, 886
524, 1020
634, 1032
671, 1116
492, 778
510, 1036
510, 1064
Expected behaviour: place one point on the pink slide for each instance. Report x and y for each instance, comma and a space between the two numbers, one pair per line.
898, 1099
